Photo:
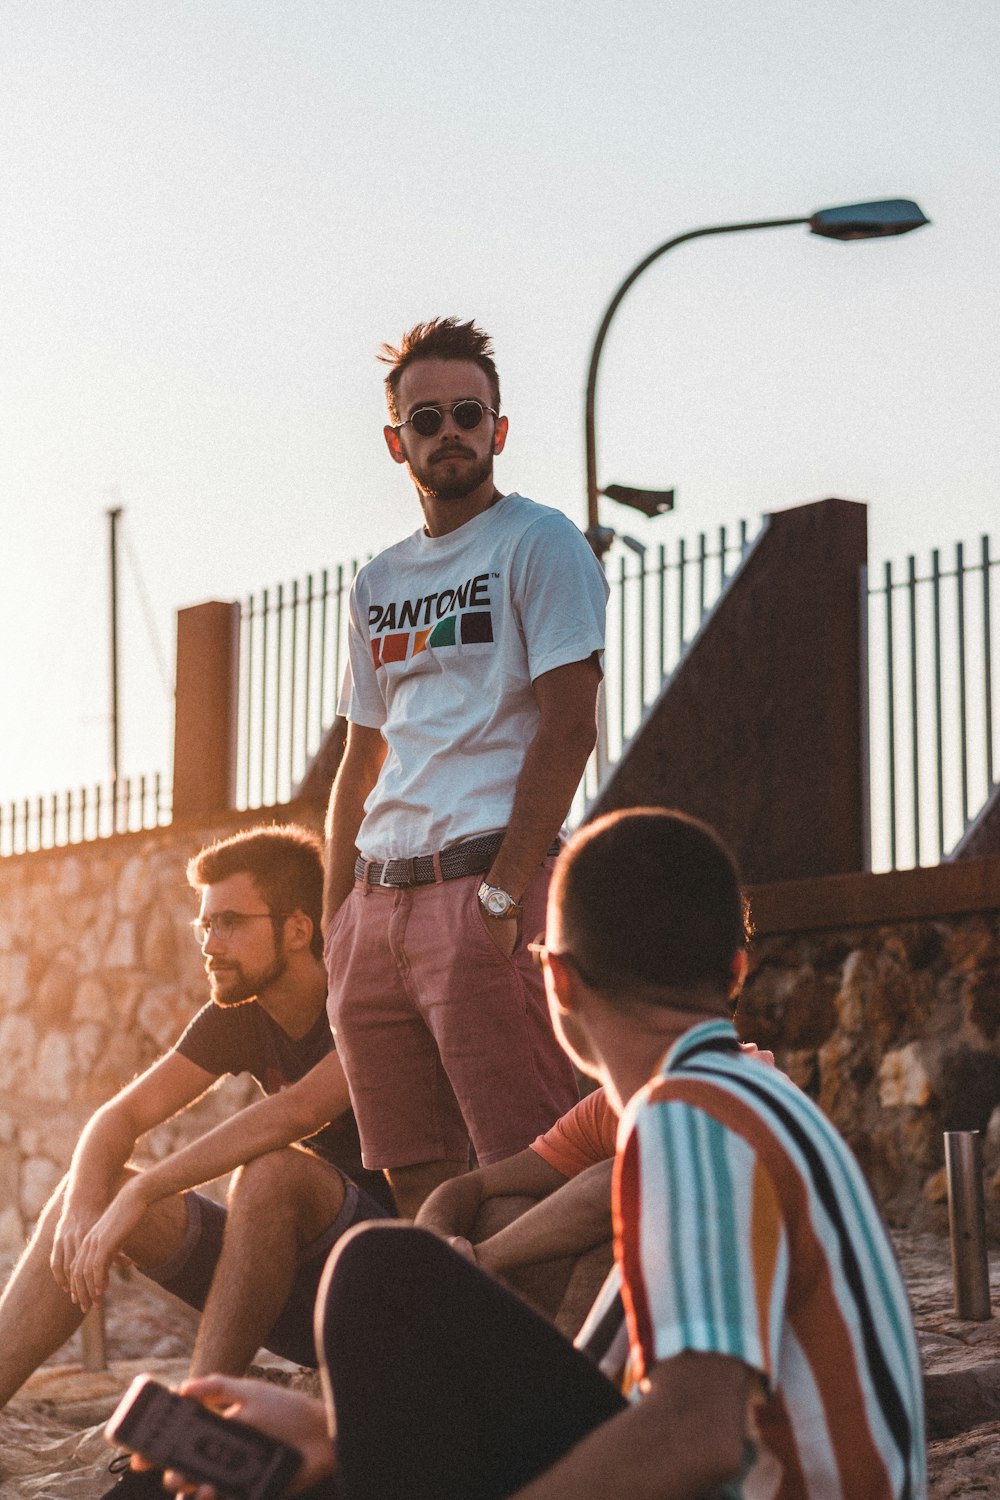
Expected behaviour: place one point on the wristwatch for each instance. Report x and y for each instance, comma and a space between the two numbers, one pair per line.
497, 902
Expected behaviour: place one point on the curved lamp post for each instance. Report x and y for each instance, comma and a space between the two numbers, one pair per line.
854, 221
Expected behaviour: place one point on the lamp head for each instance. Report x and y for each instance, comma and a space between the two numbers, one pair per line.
868, 221
650, 502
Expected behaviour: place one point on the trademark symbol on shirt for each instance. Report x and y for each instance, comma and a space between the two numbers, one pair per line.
494, 575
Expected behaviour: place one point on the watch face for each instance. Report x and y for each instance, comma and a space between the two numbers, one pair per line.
497, 903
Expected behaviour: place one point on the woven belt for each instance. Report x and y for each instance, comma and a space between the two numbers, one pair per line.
471, 857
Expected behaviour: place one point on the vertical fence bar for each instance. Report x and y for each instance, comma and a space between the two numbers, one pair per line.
642, 631
340, 621
264, 618
279, 611
248, 616
621, 653
702, 571
322, 649
891, 713
662, 556
938, 714
722, 559
911, 587
308, 670
293, 673
987, 661
963, 727
681, 579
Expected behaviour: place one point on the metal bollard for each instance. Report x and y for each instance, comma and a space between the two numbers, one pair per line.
967, 1223
92, 1335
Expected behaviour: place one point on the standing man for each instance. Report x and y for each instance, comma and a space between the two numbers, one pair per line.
475, 660
255, 1270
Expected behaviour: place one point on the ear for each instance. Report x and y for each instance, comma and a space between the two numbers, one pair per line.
563, 980
738, 972
500, 434
298, 930
394, 445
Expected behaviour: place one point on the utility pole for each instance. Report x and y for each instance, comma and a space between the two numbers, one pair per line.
114, 514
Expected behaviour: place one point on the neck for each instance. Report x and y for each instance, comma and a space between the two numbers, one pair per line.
444, 516
296, 999
630, 1055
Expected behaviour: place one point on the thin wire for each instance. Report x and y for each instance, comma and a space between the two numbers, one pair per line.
148, 616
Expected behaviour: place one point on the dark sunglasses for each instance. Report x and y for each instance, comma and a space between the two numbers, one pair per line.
427, 421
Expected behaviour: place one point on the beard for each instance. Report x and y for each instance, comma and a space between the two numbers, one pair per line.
433, 483
231, 984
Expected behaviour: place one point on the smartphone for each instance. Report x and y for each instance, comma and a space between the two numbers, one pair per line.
177, 1432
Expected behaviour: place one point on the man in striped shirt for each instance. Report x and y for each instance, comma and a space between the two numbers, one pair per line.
772, 1342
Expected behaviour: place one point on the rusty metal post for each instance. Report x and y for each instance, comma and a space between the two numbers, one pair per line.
967, 1223
94, 1339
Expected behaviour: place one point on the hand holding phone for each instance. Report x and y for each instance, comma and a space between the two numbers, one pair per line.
177, 1432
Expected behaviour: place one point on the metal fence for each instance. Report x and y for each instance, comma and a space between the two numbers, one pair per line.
932, 644
74, 817
293, 651
932, 641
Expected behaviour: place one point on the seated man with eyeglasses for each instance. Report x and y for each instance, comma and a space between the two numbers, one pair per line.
255, 1269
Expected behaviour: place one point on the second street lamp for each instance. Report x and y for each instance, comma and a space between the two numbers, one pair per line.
853, 221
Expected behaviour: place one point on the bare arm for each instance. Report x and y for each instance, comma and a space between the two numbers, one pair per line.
569, 1221
683, 1438
363, 756
553, 765
266, 1125
452, 1208
107, 1143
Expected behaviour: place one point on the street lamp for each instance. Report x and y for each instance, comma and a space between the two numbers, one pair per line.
853, 221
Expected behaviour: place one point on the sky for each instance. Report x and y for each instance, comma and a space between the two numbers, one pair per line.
217, 210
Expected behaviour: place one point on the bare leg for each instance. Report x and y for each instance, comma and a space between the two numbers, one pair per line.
278, 1204
37, 1316
411, 1185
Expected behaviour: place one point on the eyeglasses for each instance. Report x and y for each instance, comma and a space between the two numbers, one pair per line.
225, 923
427, 421
540, 956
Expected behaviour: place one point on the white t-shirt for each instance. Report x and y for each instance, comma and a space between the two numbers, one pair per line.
446, 637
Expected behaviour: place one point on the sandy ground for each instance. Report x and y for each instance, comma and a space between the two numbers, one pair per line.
51, 1447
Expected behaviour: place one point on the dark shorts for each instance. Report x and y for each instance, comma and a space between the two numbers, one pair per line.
188, 1274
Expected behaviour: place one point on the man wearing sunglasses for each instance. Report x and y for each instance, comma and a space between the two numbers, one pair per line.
255, 1271
475, 659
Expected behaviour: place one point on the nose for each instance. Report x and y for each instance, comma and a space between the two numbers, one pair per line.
211, 942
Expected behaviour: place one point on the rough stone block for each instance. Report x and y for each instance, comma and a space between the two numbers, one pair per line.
14, 969
39, 1178
902, 1078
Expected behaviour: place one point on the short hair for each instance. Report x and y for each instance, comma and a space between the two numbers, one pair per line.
441, 338
284, 861
650, 900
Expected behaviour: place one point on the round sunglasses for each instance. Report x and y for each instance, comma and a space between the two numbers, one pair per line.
427, 421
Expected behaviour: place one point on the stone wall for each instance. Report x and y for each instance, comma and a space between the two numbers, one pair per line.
98, 976
880, 995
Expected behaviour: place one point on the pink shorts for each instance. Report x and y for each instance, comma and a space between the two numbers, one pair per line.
443, 1038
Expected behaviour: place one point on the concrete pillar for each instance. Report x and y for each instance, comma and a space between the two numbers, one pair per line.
205, 712
759, 729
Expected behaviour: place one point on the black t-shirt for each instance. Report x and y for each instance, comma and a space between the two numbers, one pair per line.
245, 1039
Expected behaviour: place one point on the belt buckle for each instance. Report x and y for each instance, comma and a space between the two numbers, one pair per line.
393, 885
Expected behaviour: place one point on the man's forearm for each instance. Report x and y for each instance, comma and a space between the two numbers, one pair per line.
683, 1438
356, 777
105, 1145
568, 1222
261, 1127
553, 766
